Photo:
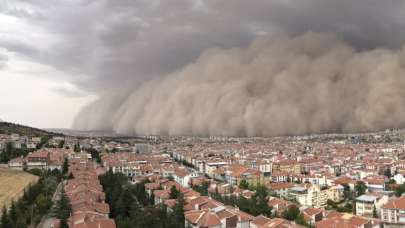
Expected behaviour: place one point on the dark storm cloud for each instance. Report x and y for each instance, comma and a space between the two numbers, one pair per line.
18, 47
112, 47
130, 41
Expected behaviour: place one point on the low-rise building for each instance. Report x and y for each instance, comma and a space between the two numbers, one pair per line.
369, 205
314, 195
393, 212
17, 163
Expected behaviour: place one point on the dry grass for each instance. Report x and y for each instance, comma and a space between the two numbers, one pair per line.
12, 184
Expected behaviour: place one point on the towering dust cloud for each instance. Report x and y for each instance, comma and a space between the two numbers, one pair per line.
313, 83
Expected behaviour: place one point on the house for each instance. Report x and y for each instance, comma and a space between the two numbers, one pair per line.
38, 160
264, 222
375, 183
278, 205
399, 178
288, 166
370, 204
280, 189
314, 195
86, 197
265, 167
161, 195
335, 219
313, 215
259, 221
17, 163
210, 167
393, 212
202, 219
182, 176
234, 174
277, 177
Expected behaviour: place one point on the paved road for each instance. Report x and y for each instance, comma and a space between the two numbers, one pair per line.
47, 220
46, 223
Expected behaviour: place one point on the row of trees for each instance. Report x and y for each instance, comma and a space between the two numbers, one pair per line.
348, 207
35, 202
63, 209
131, 207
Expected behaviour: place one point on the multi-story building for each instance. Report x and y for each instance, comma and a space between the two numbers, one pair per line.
38, 160
369, 204
234, 174
182, 176
49, 159
314, 195
288, 166
393, 212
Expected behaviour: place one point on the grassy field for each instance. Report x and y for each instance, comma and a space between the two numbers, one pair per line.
12, 184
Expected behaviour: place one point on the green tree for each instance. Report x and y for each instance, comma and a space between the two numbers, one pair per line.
12, 214
387, 173
331, 204
65, 167
5, 220
64, 223
63, 208
391, 181
95, 155
178, 211
76, 148
400, 190
360, 188
243, 184
301, 220
170, 178
375, 214
34, 203
259, 202
174, 193
61, 143
346, 191
9, 152
244, 204
291, 213
43, 203
347, 208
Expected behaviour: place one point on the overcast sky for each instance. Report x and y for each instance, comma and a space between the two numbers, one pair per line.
56, 57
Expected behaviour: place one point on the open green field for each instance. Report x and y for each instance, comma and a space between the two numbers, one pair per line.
12, 184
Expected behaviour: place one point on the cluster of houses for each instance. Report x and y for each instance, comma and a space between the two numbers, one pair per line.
18, 141
23, 141
309, 175
44, 159
205, 212
306, 174
86, 196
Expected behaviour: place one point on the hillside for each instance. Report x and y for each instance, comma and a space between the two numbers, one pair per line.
12, 128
